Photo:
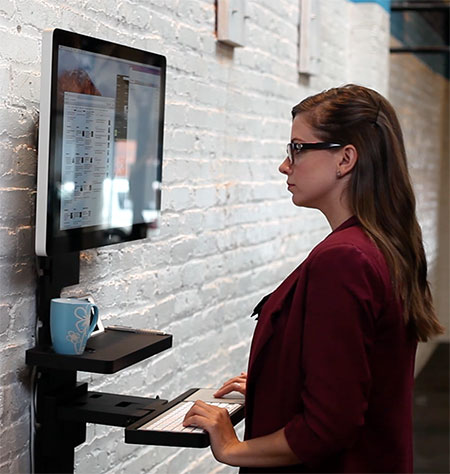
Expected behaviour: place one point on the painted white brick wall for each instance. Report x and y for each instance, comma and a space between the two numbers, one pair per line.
229, 233
367, 43
421, 98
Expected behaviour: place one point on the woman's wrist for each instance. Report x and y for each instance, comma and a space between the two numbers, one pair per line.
266, 451
234, 454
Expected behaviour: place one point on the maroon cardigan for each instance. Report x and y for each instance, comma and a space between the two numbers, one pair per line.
332, 362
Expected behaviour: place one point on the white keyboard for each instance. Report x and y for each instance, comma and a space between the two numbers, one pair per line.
172, 419
164, 426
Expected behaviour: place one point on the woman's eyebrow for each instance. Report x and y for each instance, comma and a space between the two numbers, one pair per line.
298, 140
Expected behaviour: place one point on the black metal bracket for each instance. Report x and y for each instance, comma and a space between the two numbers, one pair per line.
63, 406
439, 10
420, 6
421, 49
107, 408
63, 409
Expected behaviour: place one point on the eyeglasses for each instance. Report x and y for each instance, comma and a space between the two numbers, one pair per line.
293, 149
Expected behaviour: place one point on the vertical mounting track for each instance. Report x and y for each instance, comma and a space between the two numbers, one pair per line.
55, 273
55, 440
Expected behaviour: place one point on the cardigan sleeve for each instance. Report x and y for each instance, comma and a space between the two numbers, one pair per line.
344, 295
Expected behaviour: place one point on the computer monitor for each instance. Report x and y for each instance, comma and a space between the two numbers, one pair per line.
100, 143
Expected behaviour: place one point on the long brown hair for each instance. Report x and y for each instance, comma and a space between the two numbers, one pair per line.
380, 190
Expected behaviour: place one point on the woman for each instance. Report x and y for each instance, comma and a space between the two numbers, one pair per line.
330, 376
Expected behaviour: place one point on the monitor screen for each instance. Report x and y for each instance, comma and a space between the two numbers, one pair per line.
100, 143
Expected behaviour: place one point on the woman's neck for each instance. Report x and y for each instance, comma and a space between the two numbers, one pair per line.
338, 215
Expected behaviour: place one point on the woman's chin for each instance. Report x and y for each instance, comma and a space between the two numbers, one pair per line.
298, 202
302, 203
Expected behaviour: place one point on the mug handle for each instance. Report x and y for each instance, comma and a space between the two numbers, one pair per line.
94, 312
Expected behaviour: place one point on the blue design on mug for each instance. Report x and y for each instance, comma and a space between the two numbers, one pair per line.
71, 325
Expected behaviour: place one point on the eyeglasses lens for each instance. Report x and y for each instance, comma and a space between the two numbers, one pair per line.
289, 152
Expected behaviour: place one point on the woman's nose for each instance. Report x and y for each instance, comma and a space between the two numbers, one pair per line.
285, 167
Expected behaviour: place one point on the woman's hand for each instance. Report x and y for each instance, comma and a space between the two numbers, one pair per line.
236, 384
216, 421
270, 450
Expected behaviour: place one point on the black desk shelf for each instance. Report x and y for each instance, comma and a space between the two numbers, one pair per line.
105, 353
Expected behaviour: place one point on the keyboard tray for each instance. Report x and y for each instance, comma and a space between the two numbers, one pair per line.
135, 435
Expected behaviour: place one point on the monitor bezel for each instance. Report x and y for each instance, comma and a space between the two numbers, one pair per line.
50, 241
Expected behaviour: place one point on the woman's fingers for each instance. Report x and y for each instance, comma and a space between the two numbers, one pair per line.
198, 408
236, 384
231, 387
240, 378
204, 415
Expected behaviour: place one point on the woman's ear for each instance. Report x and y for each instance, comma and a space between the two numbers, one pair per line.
347, 160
